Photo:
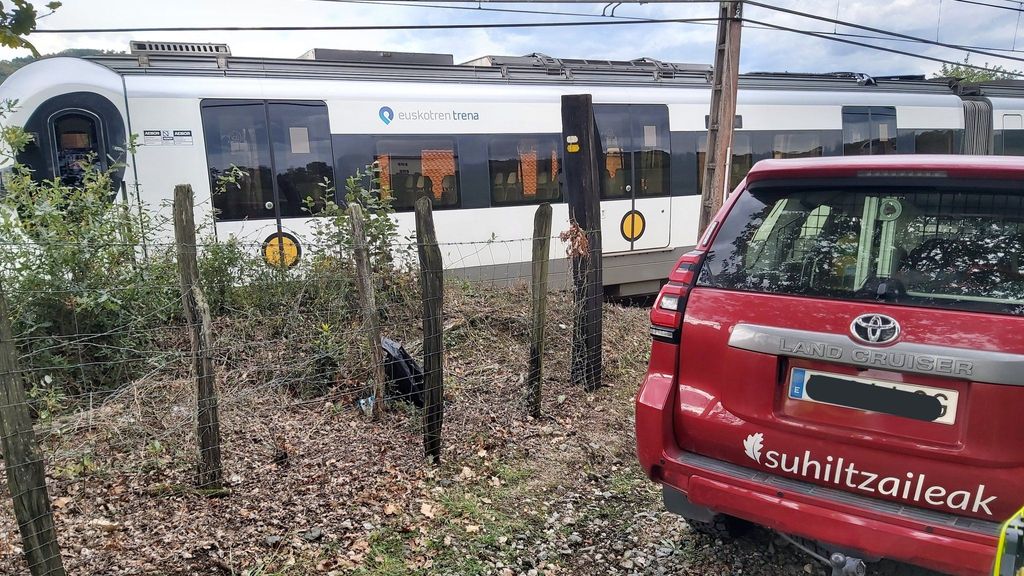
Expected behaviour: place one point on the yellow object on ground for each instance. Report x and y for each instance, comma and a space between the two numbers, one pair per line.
1010, 552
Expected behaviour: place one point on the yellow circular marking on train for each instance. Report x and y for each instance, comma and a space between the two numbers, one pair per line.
281, 249
633, 226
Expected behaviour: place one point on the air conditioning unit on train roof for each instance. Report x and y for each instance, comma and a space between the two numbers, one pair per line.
377, 57
146, 48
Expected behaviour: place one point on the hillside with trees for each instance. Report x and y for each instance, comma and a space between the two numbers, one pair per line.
8, 67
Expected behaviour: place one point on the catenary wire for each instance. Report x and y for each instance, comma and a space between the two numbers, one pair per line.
824, 36
873, 47
999, 6
895, 37
873, 29
479, 9
615, 22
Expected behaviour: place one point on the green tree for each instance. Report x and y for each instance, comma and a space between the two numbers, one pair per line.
17, 20
969, 74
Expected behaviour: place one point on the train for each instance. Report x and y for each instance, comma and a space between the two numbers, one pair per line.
482, 139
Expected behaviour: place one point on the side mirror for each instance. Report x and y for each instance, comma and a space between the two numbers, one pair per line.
1010, 553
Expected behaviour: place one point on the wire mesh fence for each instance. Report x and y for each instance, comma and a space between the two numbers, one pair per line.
120, 374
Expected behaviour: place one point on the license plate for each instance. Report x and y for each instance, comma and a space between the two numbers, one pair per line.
906, 400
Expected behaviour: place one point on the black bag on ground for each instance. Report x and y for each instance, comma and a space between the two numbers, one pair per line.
404, 375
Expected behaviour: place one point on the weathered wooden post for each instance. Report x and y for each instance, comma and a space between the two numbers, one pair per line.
368, 305
432, 283
583, 193
26, 474
539, 277
209, 475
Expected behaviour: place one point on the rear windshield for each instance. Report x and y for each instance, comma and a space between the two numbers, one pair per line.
958, 247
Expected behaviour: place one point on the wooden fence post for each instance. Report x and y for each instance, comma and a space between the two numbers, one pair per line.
539, 277
368, 304
26, 474
583, 193
432, 283
197, 313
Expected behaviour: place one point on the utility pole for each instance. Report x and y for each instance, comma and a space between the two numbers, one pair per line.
724, 83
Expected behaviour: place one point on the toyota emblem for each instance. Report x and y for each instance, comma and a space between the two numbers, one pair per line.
874, 329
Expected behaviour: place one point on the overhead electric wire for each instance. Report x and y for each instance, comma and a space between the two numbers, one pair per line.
610, 22
895, 37
478, 8
615, 22
999, 6
965, 47
826, 36
875, 30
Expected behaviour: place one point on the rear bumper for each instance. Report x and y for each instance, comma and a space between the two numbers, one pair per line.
939, 545
848, 522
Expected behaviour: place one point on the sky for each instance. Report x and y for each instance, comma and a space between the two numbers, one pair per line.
950, 21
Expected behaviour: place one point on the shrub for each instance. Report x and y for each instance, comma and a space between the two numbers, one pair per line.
82, 292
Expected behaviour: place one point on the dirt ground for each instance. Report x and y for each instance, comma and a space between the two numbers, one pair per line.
317, 489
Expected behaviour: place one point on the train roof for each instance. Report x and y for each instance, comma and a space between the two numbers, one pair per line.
995, 88
189, 59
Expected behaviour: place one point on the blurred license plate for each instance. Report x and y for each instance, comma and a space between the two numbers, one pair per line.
906, 400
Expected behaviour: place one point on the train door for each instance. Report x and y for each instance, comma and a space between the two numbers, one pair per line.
634, 176
271, 165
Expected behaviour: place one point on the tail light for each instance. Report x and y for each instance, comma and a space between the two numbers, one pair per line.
667, 313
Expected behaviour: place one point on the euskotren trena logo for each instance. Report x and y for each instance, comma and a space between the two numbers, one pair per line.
386, 115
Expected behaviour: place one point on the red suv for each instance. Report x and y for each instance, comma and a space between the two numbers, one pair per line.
842, 359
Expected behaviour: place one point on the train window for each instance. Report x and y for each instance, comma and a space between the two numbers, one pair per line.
615, 133
741, 162
77, 142
742, 159
934, 142
237, 136
1010, 142
301, 139
797, 145
415, 167
869, 130
635, 147
651, 149
524, 169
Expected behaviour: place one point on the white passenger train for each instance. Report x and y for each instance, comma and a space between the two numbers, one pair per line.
482, 139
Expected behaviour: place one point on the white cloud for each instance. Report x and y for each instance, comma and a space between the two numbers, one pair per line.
763, 50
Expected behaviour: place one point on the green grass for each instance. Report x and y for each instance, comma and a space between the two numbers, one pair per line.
386, 556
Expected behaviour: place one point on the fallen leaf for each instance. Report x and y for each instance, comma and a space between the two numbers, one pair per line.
390, 510
105, 525
472, 528
427, 510
61, 502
